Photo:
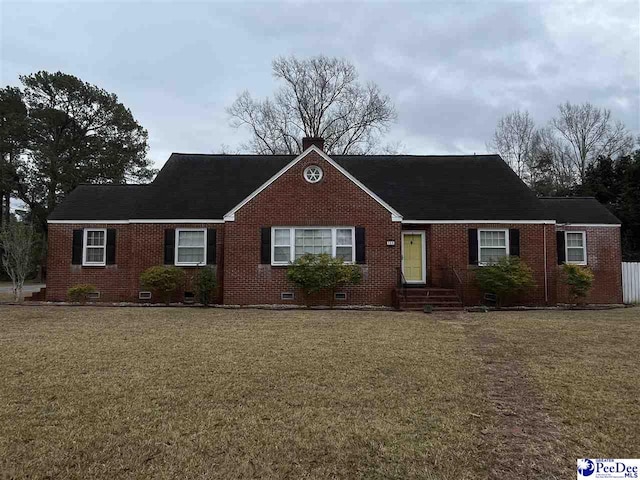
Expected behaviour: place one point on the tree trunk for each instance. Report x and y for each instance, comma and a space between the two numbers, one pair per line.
2, 215
7, 211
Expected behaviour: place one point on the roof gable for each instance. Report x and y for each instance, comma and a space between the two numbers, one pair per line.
230, 215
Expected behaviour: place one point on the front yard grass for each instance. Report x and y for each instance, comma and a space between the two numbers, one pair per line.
193, 393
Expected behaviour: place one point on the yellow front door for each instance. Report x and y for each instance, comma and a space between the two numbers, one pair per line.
413, 262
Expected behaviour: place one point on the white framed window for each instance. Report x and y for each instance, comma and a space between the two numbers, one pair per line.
344, 244
575, 244
313, 174
281, 239
94, 252
291, 243
492, 246
191, 247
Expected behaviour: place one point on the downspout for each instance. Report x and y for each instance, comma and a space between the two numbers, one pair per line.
546, 283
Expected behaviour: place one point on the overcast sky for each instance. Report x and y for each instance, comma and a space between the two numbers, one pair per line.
452, 69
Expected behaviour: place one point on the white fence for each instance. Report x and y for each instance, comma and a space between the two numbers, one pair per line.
631, 282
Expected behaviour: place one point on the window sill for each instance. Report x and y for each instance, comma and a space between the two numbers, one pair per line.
291, 264
190, 264
583, 264
94, 265
287, 265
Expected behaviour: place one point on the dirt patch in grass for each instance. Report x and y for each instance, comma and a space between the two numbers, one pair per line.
586, 368
522, 441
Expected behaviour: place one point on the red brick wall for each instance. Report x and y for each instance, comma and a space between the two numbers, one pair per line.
292, 201
138, 247
448, 246
604, 258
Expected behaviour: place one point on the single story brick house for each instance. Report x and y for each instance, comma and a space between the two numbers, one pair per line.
427, 222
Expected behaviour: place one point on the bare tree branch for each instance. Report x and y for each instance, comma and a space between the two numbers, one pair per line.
16, 243
320, 97
590, 133
513, 139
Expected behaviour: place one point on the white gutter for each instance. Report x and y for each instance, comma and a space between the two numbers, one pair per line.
133, 220
440, 222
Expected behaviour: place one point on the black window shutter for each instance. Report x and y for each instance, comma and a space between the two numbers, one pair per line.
514, 242
211, 246
265, 245
473, 246
360, 248
111, 246
76, 255
560, 246
169, 246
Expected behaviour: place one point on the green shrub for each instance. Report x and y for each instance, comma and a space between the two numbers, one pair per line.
316, 273
206, 283
507, 278
579, 279
80, 293
163, 281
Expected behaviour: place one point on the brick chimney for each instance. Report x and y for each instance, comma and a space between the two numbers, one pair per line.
308, 141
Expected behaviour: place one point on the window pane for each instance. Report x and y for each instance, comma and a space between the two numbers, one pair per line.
574, 240
314, 241
343, 236
575, 254
95, 255
95, 238
492, 255
282, 236
281, 254
344, 253
191, 239
191, 254
492, 239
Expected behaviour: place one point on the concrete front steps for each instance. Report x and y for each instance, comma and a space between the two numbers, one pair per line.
39, 296
416, 298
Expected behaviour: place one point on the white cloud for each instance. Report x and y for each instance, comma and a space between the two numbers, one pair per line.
451, 68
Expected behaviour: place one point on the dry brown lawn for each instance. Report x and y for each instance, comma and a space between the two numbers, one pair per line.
211, 393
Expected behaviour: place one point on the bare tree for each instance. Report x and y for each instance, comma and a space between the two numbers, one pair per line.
590, 132
513, 140
16, 244
320, 97
550, 165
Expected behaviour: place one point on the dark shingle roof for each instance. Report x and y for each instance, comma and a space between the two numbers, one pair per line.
207, 186
578, 210
472, 187
100, 202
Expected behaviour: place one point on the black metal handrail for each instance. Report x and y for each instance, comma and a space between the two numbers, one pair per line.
402, 282
459, 285
452, 279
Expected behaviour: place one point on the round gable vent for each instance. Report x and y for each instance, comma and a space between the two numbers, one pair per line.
313, 174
